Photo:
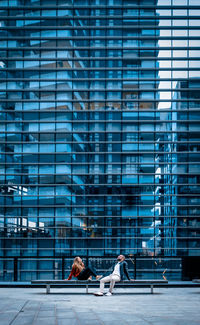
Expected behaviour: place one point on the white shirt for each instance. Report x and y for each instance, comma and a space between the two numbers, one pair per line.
117, 269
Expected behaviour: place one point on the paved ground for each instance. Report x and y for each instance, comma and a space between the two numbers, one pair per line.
31, 306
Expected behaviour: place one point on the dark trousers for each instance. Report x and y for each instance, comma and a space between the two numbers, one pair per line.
86, 273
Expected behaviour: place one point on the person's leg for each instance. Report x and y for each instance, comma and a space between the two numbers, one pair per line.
114, 278
103, 281
92, 271
86, 273
83, 275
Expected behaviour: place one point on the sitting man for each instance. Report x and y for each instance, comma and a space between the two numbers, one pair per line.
119, 270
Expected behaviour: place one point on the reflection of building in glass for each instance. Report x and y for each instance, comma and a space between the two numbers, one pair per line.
86, 156
182, 218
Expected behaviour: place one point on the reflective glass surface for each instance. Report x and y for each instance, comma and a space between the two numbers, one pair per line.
99, 134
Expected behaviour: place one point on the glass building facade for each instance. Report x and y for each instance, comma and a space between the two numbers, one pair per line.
99, 135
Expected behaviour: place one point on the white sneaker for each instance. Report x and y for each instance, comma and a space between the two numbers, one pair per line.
108, 293
98, 293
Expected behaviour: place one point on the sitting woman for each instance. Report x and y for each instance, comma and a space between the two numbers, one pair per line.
81, 272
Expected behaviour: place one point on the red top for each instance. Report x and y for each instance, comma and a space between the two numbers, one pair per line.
74, 272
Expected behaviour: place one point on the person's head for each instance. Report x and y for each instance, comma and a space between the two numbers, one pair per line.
121, 258
78, 263
77, 260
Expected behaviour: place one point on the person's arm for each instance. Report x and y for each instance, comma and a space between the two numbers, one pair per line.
126, 271
71, 274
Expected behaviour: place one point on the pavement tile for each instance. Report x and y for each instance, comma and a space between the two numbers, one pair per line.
44, 321
108, 318
163, 321
6, 318
46, 313
68, 322
46, 308
112, 322
65, 316
131, 318
137, 322
85, 316
23, 320
90, 322
189, 321
63, 308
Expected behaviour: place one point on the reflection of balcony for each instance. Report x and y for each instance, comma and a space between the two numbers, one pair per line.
48, 201
191, 189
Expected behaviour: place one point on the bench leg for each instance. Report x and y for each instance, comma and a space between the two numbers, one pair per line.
47, 288
86, 288
152, 288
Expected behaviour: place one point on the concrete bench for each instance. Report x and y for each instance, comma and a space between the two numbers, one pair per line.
79, 283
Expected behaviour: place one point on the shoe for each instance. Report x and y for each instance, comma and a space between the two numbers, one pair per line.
108, 293
98, 293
